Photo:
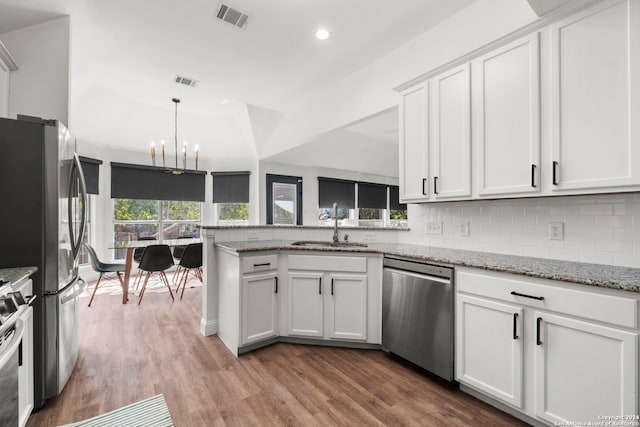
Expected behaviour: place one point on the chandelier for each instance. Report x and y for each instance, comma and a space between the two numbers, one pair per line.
175, 170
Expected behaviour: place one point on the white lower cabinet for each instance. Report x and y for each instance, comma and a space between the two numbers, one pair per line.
306, 304
348, 306
583, 370
553, 351
490, 347
259, 307
335, 297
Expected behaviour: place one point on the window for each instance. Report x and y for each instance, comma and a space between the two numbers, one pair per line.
160, 219
232, 213
363, 204
231, 197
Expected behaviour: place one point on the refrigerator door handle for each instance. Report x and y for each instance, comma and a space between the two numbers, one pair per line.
76, 243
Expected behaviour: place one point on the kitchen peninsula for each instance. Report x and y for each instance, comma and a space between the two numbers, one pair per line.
541, 313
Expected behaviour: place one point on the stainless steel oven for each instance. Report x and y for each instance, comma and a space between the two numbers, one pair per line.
10, 339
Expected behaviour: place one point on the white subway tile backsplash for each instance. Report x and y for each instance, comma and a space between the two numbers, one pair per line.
613, 221
602, 228
596, 209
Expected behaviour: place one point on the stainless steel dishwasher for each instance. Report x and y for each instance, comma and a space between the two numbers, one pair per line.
417, 313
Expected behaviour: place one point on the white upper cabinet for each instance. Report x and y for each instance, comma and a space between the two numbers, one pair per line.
507, 132
451, 133
554, 112
595, 95
414, 167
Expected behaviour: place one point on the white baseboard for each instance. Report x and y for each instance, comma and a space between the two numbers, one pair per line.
209, 327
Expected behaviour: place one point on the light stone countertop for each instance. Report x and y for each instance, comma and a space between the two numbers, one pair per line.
15, 274
308, 227
600, 275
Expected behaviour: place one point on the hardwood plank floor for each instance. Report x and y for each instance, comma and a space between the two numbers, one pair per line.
130, 352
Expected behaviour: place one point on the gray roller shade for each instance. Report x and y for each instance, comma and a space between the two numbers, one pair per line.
91, 170
231, 187
394, 199
336, 190
129, 181
372, 196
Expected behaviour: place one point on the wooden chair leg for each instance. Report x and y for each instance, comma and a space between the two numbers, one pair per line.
95, 289
144, 286
166, 282
137, 280
176, 275
184, 283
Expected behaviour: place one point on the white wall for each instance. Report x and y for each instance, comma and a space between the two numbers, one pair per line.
603, 229
369, 90
40, 86
309, 185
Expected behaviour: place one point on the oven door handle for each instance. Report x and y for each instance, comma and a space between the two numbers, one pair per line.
8, 349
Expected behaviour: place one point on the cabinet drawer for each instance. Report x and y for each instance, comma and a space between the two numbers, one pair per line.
253, 264
328, 263
589, 304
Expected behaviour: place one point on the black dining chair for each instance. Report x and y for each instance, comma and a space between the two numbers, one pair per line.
137, 256
191, 262
156, 259
104, 268
178, 250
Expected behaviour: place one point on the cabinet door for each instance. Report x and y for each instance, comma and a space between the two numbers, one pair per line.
25, 369
306, 304
583, 370
451, 112
414, 170
259, 307
489, 347
595, 97
508, 118
348, 306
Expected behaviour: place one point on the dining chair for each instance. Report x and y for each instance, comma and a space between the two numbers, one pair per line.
156, 259
191, 262
137, 256
104, 268
178, 250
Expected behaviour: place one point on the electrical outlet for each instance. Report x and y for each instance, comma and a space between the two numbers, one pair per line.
434, 227
464, 228
556, 231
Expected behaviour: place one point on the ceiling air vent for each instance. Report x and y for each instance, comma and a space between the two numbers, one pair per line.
186, 81
233, 16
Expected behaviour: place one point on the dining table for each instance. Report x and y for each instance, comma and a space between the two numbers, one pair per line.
132, 245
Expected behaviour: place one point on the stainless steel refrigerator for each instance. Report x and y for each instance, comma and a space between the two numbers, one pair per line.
43, 220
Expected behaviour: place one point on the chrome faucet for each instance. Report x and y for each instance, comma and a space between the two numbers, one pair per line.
336, 239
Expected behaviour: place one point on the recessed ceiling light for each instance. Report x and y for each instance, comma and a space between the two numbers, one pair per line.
322, 34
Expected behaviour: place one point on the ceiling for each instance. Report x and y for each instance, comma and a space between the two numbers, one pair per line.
125, 55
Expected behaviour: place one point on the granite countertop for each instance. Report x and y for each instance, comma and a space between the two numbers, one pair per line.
15, 274
606, 276
308, 227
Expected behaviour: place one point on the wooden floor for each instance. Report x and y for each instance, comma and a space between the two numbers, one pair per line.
129, 353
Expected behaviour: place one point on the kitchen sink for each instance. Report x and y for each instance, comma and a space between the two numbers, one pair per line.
329, 244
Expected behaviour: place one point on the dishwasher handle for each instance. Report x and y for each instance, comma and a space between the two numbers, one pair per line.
418, 275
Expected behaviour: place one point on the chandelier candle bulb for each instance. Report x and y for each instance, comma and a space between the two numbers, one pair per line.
162, 143
153, 153
184, 156
197, 150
